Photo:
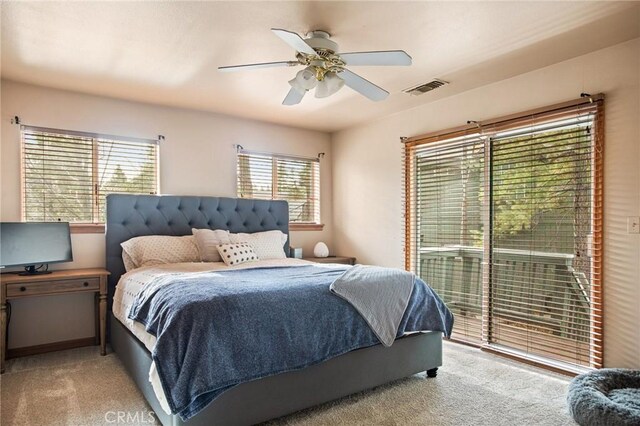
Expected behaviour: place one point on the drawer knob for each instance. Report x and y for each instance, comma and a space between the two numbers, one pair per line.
86, 284
23, 288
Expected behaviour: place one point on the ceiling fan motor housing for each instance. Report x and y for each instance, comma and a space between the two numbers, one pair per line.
319, 40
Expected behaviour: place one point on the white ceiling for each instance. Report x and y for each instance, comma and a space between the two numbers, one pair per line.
168, 52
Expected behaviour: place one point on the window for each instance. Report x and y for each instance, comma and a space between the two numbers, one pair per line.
504, 221
447, 240
66, 175
281, 177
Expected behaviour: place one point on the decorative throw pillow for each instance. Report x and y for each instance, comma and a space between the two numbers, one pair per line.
267, 244
237, 253
159, 249
208, 241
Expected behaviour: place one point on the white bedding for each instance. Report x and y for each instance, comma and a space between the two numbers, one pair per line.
133, 282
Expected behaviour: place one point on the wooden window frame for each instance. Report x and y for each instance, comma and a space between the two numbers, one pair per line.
489, 127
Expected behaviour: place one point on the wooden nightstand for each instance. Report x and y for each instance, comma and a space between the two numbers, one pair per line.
14, 286
332, 259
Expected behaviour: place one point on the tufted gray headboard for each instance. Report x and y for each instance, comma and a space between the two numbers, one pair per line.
131, 216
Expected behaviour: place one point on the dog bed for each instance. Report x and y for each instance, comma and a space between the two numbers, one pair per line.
610, 396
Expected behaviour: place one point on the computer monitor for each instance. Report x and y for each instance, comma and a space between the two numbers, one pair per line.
34, 245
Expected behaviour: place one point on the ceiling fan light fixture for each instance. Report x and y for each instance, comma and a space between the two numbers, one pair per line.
304, 80
329, 85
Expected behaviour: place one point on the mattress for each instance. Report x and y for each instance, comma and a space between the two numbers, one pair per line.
133, 282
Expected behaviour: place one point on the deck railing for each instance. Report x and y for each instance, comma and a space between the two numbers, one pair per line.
562, 303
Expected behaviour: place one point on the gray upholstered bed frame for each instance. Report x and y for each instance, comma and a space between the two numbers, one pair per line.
130, 216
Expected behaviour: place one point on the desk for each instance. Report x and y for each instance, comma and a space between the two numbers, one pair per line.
14, 286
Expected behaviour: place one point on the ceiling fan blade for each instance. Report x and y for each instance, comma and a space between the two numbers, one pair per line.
363, 86
256, 66
385, 57
293, 97
294, 40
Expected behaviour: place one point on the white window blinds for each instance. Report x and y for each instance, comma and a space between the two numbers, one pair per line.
542, 189
66, 175
280, 177
447, 239
504, 221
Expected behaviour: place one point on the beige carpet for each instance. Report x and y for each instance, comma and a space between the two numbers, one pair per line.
79, 387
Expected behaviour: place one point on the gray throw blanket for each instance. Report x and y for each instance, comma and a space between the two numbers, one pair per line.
380, 295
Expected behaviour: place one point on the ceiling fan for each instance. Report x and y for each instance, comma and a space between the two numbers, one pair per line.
325, 68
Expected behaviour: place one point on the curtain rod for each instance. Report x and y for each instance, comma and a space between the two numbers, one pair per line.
16, 120
240, 150
473, 125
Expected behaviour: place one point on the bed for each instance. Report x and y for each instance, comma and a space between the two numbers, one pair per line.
259, 400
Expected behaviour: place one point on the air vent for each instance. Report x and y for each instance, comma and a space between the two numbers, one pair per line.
424, 88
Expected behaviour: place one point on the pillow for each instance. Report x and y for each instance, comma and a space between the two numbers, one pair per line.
128, 263
267, 245
237, 253
208, 241
159, 249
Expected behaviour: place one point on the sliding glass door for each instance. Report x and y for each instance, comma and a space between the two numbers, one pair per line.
541, 231
449, 187
504, 223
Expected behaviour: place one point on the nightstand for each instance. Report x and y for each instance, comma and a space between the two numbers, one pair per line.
14, 286
332, 259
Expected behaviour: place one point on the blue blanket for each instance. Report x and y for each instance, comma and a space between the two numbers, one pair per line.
219, 329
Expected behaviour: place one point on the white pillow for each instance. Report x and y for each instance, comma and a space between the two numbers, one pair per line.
208, 241
159, 249
267, 245
128, 263
237, 253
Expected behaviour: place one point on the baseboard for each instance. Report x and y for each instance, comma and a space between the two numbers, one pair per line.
50, 347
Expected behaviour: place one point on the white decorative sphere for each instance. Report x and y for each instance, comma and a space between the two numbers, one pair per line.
321, 250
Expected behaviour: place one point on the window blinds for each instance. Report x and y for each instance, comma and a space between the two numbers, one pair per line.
66, 175
57, 177
125, 167
448, 180
279, 177
504, 220
541, 233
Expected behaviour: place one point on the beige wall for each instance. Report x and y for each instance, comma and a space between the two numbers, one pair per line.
367, 170
196, 158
